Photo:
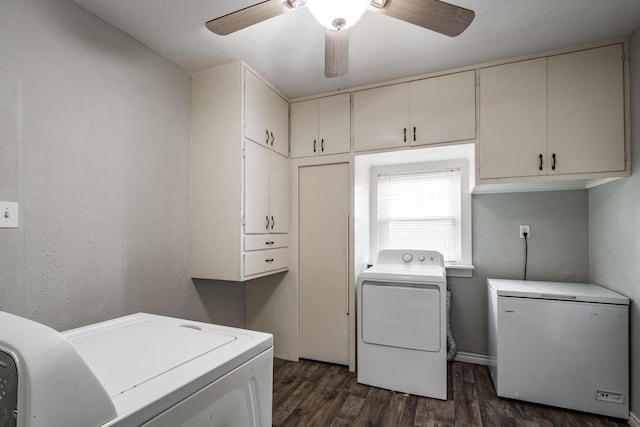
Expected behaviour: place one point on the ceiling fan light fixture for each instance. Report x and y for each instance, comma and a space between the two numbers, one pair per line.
337, 14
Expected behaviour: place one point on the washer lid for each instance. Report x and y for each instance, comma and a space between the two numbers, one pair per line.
143, 350
149, 363
584, 292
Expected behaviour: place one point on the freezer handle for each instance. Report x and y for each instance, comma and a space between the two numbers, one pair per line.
552, 296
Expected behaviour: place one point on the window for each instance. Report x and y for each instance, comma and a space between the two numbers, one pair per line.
422, 206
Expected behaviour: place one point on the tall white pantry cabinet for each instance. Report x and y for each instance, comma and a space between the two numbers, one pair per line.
239, 176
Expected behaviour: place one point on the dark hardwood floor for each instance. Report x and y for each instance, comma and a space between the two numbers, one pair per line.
309, 393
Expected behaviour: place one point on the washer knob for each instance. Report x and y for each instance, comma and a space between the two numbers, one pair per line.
407, 257
421, 258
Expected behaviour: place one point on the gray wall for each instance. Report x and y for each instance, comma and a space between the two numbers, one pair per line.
614, 230
94, 143
558, 251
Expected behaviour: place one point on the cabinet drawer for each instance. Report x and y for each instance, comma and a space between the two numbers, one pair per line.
265, 241
262, 261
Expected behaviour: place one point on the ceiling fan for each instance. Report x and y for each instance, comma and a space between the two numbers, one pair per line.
338, 15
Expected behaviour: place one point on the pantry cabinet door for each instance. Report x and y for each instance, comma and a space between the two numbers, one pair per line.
324, 263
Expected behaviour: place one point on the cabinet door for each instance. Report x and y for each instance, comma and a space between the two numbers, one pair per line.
257, 218
304, 128
279, 122
586, 111
324, 263
266, 115
334, 124
278, 193
443, 109
513, 119
381, 118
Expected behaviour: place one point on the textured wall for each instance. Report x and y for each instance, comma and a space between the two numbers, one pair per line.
94, 143
614, 230
558, 251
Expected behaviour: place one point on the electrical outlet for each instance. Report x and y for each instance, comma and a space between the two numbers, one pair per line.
525, 229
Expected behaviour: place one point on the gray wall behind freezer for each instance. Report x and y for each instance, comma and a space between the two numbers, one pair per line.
558, 251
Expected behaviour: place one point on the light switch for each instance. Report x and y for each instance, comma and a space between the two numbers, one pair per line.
8, 215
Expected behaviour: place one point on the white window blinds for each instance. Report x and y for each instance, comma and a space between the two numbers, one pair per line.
420, 211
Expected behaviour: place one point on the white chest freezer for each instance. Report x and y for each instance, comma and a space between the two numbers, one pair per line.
138, 370
560, 344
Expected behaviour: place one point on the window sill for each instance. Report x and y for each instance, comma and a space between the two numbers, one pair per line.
459, 270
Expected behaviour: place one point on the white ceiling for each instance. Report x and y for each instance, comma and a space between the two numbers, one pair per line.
289, 50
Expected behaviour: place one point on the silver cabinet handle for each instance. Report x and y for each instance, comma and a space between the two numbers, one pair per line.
267, 140
269, 243
273, 222
267, 218
272, 139
268, 260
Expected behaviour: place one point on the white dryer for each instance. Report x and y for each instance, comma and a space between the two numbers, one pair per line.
138, 370
401, 323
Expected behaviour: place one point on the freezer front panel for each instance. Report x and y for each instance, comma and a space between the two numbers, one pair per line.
567, 354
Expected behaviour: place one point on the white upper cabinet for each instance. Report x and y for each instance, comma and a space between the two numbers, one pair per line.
279, 193
443, 109
321, 126
239, 188
558, 116
266, 115
266, 189
381, 118
429, 111
513, 119
586, 111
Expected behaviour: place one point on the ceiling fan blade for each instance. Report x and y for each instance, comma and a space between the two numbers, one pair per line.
248, 16
336, 52
435, 15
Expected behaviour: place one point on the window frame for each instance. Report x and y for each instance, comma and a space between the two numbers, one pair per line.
465, 202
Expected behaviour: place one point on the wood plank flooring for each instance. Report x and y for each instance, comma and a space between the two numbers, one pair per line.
309, 393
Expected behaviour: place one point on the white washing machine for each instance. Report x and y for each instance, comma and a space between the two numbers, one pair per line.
138, 370
401, 323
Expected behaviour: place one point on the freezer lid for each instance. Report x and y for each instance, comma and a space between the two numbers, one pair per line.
124, 356
582, 292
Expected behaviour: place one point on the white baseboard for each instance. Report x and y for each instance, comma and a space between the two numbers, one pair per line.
634, 421
478, 359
